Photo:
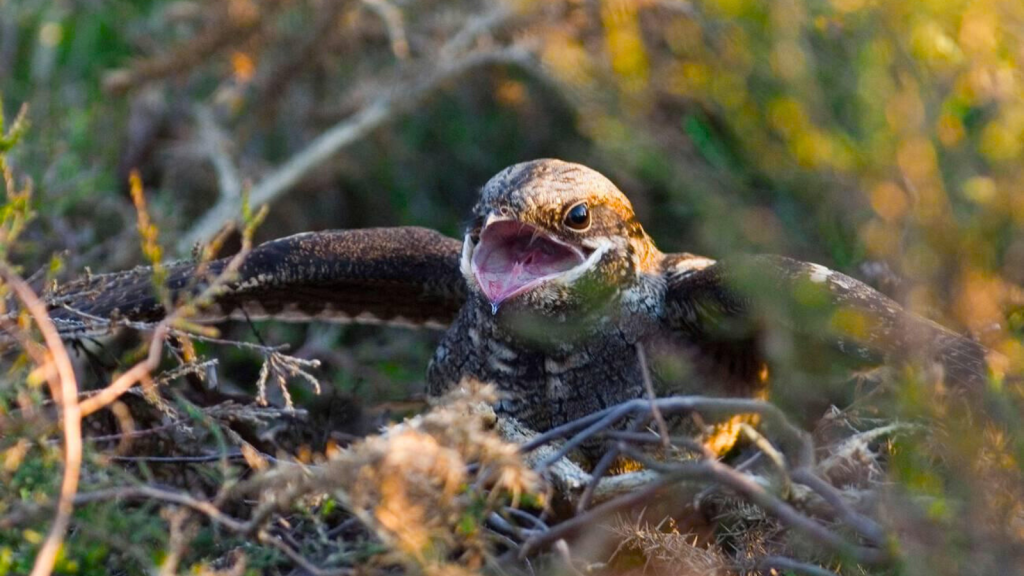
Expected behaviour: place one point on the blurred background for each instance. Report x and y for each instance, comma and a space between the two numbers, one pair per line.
883, 139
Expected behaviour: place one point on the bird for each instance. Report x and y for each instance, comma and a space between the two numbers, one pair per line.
554, 294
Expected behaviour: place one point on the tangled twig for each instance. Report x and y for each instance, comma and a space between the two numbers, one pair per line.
795, 463
281, 367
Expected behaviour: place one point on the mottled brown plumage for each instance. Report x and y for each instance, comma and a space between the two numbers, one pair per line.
547, 300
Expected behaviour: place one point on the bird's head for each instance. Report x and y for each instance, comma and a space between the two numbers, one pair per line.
553, 238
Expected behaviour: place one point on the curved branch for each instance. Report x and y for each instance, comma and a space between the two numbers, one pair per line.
65, 390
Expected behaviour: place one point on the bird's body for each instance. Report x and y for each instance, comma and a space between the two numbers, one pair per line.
569, 371
542, 388
552, 296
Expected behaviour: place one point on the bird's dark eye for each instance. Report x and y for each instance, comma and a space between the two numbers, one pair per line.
578, 217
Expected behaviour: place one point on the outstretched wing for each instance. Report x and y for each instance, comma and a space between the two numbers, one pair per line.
730, 302
406, 276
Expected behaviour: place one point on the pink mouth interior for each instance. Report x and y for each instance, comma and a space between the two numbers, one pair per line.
513, 258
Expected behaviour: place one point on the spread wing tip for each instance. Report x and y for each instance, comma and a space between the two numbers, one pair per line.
862, 322
403, 276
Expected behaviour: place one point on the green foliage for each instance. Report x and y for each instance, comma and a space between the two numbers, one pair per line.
38, 476
15, 212
10, 136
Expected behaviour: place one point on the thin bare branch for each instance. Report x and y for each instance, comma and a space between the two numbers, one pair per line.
301, 561
135, 374
580, 522
346, 133
601, 469
172, 497
476, 27
395, 24
217, 145
65, 390
776, 458
775, 563
745, 486
795, 443
709, 469
866, 526
649, 388
178, 540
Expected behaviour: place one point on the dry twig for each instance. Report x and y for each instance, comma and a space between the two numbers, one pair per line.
797, 465
649, 388
216, 144
64, 388
391, 15
350, 130
299, 559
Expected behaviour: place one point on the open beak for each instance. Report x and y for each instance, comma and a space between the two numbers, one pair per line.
512, 258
